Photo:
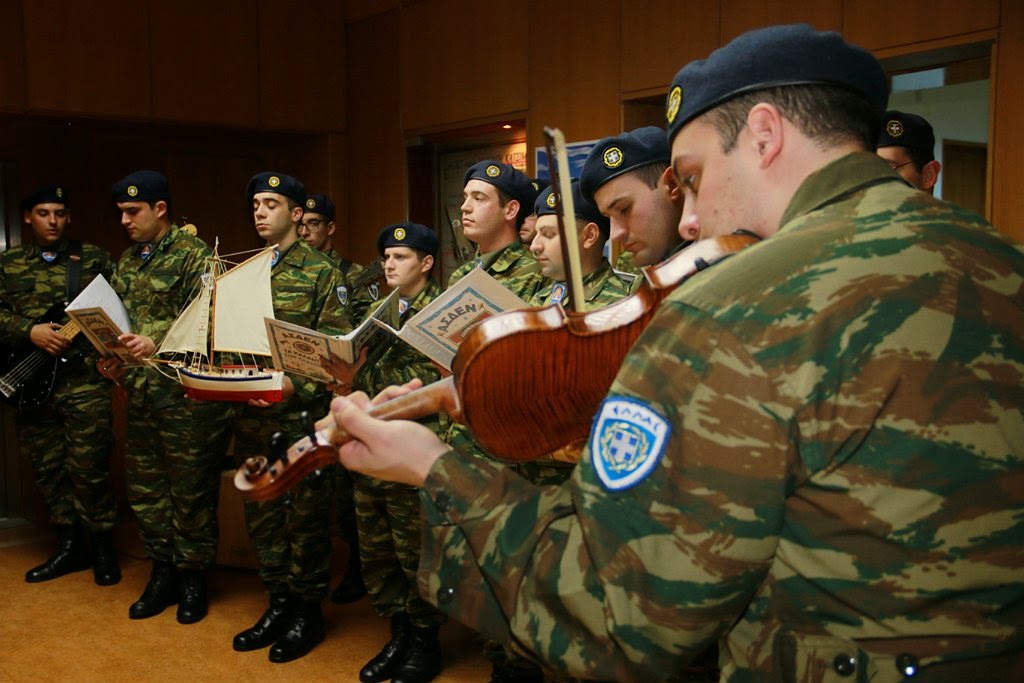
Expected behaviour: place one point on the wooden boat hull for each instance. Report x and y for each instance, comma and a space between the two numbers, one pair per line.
231, 383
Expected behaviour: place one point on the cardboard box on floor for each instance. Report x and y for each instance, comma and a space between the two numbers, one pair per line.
234, 549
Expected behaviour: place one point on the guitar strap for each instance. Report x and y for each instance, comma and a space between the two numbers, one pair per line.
73, 278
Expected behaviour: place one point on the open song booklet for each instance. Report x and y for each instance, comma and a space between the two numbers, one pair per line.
439, 328
102, 317
298, 349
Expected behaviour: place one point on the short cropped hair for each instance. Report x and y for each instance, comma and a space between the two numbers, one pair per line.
829, 115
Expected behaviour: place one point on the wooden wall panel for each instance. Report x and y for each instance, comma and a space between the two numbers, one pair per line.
90, 56
376, 151
13, 95
461, 61
302, 65
1007, 136
573, 85
204, 57
357, 10
660, 36
876, 24
740, 16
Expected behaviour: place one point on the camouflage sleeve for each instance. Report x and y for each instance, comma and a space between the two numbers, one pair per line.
14, 328
622, 585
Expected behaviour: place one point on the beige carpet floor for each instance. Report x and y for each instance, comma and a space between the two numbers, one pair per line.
70, 629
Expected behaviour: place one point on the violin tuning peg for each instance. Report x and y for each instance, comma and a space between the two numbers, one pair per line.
307, 426
278, 447
315, 479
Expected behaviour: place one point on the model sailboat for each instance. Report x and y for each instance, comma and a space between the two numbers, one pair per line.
229, 312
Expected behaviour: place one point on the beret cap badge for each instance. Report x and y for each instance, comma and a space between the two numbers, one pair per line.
675, 98
60, 192
493, 171
613, 157
274, 181
894, 128
399, 233
310, 203
132, 191
550, 200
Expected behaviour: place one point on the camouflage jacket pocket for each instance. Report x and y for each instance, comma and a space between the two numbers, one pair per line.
164, 280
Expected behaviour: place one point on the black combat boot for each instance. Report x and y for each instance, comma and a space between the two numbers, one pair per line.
192, 603
351, 587
106, 570
305, 631
71, 555
268, 627
161, 592
383, 666
423, 658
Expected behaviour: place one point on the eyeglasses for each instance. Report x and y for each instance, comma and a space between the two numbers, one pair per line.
894, 166
313, 224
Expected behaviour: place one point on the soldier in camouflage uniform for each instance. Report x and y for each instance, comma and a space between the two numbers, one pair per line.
600, 283
907, 142
317, 229
174, 447
602, 286
628, 178
389, 513
498, 198
812, 451
291, 534
68, 438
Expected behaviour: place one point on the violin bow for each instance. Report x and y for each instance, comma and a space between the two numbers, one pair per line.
561, 183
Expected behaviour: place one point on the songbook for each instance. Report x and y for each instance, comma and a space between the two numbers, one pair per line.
102, 317
439, 328
298, 349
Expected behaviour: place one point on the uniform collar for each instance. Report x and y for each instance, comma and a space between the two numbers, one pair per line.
500, 260
844, 176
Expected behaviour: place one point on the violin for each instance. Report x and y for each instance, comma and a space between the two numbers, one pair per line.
519, 404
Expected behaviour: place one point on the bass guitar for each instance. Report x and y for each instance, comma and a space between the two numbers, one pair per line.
29, 374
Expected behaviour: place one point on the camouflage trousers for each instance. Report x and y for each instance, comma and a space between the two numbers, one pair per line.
69, 440
175, 451
291, 534
390, 525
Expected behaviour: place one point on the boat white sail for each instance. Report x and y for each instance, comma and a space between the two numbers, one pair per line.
236, 301
242, 300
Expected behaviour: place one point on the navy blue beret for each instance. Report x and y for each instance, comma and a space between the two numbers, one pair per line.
902, 129
506, 178
321, 204
142, 186
279, 183
614, 156
412, 235
796, 54
50, 194
547, 204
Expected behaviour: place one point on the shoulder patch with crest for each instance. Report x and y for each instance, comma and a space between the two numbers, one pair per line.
627, 442
342, 292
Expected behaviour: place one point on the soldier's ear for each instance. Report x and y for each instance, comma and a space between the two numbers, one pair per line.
160, 207
427, 264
